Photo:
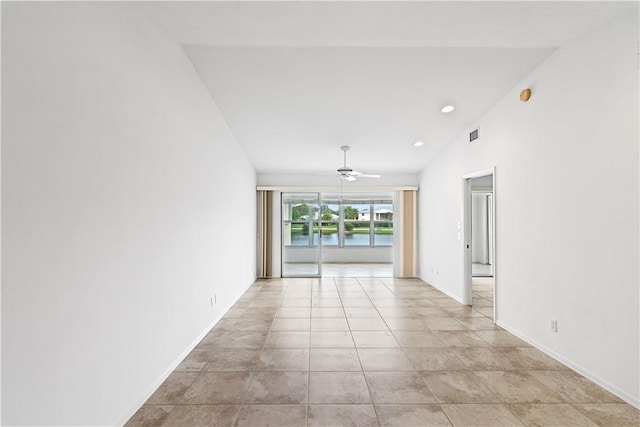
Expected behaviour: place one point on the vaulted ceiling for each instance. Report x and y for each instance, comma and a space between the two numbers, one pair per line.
297, 80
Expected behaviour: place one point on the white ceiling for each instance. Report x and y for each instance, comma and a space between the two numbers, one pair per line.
296, 80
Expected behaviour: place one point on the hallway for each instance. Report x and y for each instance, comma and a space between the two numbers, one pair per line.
370, 352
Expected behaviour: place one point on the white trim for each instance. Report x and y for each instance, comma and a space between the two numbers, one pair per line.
154, 386
466, 240
631, 400
447, 293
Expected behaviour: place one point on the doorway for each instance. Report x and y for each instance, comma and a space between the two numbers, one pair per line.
337, 235
479, 241
301, 235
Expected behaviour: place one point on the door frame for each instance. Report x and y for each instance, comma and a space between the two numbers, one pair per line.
312, 221
467, 237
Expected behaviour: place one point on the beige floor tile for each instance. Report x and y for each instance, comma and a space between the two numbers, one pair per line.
306, 352
203, 415
495, 415
225, 324
444, 324
326, 302
484, 358
234, 313
417, 339
478, 323
195, 361
465, 312
264, 313
351, 295
217, 388
429, 359
367, 324
549, 414
458, 387
288, 339
338, 388
517, 387
334, 359
384, 359
610, 414
278, 387
293, 312
411, 415
460, 339
396, 311
381, 303
501, 339
329, 324
291, 324
233, 339
150, 416
357, 303
297, 294
342, 415
374, 339
245, 324
173, 388
331, 339
327, 312
296, 303
283, 359
406, 324
573, 387
266, 302
446, 302
356, 312
529, 358
482, 302
230, 359
398, 387
428, 312
418, 302
272, 416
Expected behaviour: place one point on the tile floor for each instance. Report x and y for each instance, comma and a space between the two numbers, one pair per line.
370, 352
483, 289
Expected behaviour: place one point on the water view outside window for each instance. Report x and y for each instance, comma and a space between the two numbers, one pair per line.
357, 225
362, 223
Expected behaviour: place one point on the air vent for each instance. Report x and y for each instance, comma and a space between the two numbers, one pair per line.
473, 135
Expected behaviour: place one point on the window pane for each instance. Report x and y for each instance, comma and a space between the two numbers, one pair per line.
330, 223
383, 223
356, 225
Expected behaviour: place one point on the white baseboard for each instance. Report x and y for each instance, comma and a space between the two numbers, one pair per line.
154, 386
447, 293
631, 400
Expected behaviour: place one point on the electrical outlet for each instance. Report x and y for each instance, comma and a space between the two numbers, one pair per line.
554, 326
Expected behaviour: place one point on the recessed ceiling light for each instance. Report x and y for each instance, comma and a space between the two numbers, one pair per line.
447, 108
418, 144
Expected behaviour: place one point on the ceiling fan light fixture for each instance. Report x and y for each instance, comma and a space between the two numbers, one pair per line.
350, 178
447, 109
418, 144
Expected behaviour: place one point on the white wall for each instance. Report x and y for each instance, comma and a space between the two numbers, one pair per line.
115, 199
574, 143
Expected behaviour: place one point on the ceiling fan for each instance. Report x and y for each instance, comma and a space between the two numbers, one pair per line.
349, 174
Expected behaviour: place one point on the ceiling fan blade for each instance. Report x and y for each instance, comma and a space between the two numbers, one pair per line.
369, 175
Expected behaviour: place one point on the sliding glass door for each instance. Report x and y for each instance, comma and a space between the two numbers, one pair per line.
301, 235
